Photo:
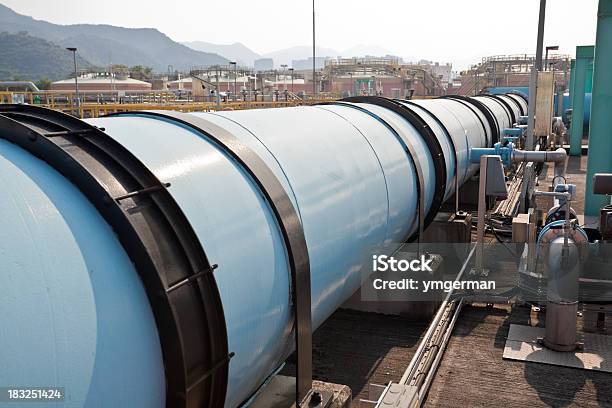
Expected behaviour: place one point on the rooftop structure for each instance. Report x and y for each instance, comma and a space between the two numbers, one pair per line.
386, 76
510, 70
100, 82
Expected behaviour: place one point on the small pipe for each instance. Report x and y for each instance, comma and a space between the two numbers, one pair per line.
558, 157
552, 194
26, 84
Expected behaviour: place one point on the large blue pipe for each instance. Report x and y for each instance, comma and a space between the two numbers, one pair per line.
78, 314
587, 108
560, 108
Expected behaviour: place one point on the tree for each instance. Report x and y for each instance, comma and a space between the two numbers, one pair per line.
140, 72
44, 83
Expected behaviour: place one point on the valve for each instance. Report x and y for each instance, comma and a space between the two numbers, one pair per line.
501, 149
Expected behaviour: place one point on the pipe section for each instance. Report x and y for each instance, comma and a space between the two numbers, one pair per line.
513, 105
499, 109
558, 157
19, 84
521, 101
357, 173
462, 126
77, 310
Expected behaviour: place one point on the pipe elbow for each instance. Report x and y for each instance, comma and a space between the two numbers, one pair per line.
557, 156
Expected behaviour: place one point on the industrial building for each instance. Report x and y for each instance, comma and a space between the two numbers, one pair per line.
340, 77
405, 243
387, 76
509, 70
102, 82
306, 64
263, 64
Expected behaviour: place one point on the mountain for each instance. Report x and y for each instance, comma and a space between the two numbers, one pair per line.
102, 44
30, 58
234, 52
285, 56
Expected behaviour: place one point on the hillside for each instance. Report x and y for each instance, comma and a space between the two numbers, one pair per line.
30, 58
103, 44
235, 52
287, 55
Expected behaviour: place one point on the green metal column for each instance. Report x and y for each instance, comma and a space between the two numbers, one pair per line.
572, 78
583, 55
600, 133
588, 84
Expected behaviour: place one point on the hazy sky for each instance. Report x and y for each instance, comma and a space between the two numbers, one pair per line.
442, 30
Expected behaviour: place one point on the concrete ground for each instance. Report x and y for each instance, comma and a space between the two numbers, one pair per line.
361, 348
473, 373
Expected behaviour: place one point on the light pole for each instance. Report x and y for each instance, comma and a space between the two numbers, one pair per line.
549, 48
373, 89
291, 70
533, 80
76, 80
284, 67
217, 89
314, 55
235, 75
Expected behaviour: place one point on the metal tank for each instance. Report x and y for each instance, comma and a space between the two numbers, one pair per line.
145, 251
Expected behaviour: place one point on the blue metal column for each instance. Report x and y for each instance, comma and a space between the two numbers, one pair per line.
600, 146
583, 55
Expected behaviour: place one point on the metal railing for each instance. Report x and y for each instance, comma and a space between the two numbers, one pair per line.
522, 57
65, 102
60, 99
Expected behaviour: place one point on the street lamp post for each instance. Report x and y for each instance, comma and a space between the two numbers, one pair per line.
291, 70
217, 89
314, 54
76, 80
235, 75
533, 80
374, 88
549, 48
284, 66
